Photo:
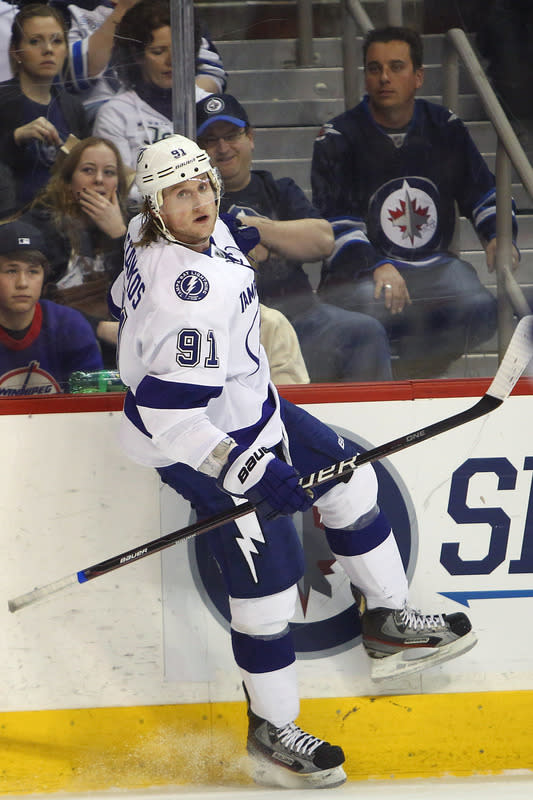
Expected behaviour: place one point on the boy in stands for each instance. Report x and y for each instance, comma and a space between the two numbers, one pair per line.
41, 343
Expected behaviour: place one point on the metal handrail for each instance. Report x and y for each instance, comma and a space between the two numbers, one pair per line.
509, 151
463, 49
304, 50
183, 72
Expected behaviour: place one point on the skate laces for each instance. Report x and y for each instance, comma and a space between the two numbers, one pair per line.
416, 620
294, 738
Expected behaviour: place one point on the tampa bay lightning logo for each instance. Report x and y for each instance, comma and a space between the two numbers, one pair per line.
326, 619
403, 216
191, 285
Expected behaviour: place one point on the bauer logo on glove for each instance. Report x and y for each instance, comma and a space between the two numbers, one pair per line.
266, 481
251, 462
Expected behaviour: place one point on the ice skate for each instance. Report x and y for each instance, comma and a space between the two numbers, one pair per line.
404, 641
291, 758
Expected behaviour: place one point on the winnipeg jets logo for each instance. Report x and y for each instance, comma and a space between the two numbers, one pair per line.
191, 285
28, 380
408, 216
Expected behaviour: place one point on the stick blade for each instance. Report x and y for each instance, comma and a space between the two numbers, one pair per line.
515, 360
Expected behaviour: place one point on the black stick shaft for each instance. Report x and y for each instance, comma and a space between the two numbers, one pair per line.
514, 362
483, 406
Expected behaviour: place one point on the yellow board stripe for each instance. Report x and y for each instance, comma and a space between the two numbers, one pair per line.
383, 737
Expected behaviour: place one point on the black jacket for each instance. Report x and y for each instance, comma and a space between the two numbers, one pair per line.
12, 117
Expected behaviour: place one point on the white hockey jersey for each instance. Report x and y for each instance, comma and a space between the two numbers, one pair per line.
95, 91
189, 349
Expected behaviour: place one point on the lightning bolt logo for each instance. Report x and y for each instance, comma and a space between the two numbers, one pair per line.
250, 533
191, 285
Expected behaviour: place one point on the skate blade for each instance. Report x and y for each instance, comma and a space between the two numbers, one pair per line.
413, 660
268, 774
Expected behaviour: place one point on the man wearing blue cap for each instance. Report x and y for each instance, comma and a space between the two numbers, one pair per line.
337, 345
41, 342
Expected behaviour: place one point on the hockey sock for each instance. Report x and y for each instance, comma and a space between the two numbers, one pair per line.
370, 557
268, 669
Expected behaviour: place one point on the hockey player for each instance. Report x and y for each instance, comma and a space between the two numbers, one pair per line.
387, 174
202, 410
41, 343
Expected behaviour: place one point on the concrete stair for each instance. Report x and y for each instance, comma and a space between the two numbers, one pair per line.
287, 105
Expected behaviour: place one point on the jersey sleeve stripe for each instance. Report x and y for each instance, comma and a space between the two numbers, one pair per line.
158, 393
132, 413
247, 436
78, 70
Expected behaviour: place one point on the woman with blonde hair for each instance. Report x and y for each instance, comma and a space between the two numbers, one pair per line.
36, 114
81, 212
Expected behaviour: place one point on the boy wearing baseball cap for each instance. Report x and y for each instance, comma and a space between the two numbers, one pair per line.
41, 342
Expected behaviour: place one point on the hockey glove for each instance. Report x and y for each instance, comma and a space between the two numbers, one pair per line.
246, 236
266, 481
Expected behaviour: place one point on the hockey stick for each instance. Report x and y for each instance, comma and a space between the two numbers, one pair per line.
514, 362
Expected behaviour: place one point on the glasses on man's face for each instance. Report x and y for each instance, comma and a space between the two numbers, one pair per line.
229, 138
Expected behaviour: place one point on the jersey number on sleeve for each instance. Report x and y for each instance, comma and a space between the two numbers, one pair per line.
189, 347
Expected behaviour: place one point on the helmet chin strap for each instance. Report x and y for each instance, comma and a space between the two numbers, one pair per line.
164, 231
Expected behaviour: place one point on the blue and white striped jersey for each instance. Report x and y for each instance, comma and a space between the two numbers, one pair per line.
190, 352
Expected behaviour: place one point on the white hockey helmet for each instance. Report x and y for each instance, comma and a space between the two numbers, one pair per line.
170, 161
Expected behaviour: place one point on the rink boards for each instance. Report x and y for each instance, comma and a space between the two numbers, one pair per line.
128, 681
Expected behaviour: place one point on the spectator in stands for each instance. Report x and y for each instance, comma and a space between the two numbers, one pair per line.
81, 214
282, 347
41, 343
142, 114
387, 173
92, 26
337, 345
8, 12
36, 116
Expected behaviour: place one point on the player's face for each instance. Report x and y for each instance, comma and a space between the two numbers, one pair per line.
189, 211
230, 149
21, 284
391, 82
96, 170
156, 64
43, 49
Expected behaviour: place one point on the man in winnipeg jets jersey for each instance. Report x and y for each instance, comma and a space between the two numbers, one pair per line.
202, 410
387, 174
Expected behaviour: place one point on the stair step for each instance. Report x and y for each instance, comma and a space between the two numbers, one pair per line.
327, 52
310, 82
274, 113
275, 53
